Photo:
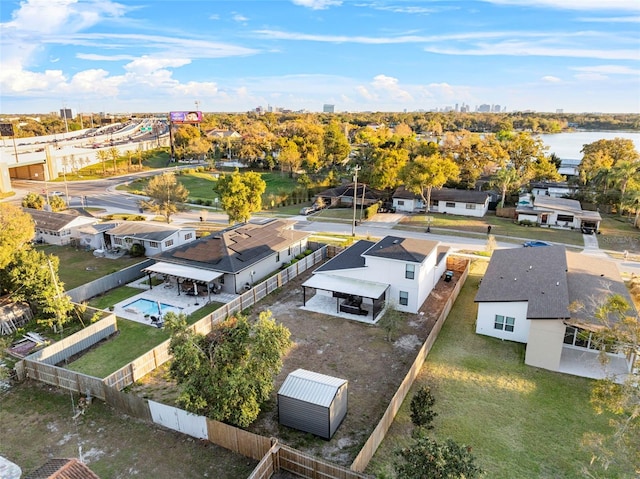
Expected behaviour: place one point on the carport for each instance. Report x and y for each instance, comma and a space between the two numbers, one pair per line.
349, 293
182, 273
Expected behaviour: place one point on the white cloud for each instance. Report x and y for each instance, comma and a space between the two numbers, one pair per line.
634, 19
391, 87
366, 94
197, 89
237, 17
591, 76
622, 5
609, 69
214, 16
551, 79
104, 58
146, 65
317, 4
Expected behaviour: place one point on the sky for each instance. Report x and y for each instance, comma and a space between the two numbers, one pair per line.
132, 56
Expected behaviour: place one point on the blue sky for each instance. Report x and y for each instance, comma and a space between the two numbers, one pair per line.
360, 55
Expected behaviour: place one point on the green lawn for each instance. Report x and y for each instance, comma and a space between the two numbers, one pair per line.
618, 234
522, 422
78, 266
500, 227
133, 340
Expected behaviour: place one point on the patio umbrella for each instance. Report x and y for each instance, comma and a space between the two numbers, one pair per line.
159, 309
195, 289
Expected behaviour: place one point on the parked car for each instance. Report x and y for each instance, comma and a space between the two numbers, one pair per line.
529, 244
588, 230
56, 193
307, 210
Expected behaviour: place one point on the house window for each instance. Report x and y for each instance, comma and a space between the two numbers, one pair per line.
154, 244
504, 323
567, 218
404, 298
470, 206
289, 251
117, 241
400, 202
582, 338
450, 204
278, 257
188, 236
410, 271
168, 243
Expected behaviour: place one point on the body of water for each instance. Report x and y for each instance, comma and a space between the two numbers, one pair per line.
146, 306
568, 145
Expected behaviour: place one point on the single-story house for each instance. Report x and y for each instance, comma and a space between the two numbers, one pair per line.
558, 189
155, 237
93, 236
343, 195
312, 402
368, 274
217, 133
532, 296
233, 259
58, 228
557, 212
445, 200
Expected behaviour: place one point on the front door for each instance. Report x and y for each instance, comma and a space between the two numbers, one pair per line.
543, 219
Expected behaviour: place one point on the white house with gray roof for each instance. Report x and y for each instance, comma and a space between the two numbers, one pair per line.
557, 213
155, 237
444, 200
58, 228
366, 276
529, 295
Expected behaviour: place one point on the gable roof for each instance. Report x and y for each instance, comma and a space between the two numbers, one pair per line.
535, 275
236, 248
564, 204
402, 249
311, 387
347, 191
349, 258
62, 469
48, 220
446, 194
145, 231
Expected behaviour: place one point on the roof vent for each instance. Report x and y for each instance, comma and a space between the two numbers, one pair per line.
515, 279
557, 283
530, 266
395, 241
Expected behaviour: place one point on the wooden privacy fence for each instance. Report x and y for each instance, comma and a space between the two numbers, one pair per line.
62, 378
368, 450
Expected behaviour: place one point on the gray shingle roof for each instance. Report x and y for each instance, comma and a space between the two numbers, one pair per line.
143, 230
447, 194
536, 275
236, 248
402, 249
349, 258
48, 220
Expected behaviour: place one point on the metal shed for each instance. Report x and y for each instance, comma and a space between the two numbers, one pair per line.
312, 402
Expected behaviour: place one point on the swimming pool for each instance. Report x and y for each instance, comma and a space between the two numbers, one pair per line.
147, 306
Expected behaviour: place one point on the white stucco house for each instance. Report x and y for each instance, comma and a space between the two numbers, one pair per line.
552, 188
553, 212
58, 228
155, 237
232, 260
444, 200
532, 296
368, 275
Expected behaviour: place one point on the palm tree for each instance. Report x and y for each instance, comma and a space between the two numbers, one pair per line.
102, 156
505, 179
622, 173
114, 154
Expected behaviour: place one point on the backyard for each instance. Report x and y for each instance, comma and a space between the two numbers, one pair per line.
521, 421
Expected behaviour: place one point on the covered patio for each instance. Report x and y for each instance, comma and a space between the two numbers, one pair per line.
346, 297
186, 279
587, 363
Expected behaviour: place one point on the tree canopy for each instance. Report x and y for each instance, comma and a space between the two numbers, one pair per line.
166, 195
228, 374
240, 194
425, 173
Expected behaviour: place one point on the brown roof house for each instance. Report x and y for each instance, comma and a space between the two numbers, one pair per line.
529, 295
343, 195
233, 259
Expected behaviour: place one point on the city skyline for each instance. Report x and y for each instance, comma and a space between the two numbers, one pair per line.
136, 56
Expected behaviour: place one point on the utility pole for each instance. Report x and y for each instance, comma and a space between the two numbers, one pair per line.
355, 195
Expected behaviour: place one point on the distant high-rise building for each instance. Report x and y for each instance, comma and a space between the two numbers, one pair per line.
327, 108
484, 108
66, 113
496, 108
560, 110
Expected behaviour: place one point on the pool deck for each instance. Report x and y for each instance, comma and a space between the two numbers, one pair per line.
167, 294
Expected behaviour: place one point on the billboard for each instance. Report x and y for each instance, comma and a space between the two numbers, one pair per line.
6, 129
185, 116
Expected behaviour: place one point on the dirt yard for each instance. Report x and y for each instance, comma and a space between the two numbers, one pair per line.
337, 347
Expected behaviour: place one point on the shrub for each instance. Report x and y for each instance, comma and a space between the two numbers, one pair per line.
137, 250
422, 413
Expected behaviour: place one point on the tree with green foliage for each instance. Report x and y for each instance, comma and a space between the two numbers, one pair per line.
228, 374
506, 179
114, 154
425, 173
102, 156
390, 321
32, 276
428, 459
289, 157
57, 203
604, 154
240, 194
34, 201
336, 144
166, 195
618, 330
422, 413
17, 229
